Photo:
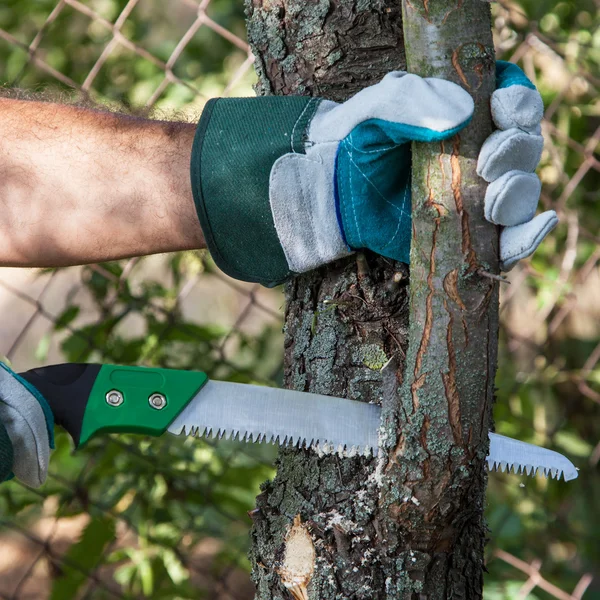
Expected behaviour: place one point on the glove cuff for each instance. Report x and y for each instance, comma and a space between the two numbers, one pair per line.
237, 142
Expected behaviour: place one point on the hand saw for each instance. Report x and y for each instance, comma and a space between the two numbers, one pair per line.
89, 399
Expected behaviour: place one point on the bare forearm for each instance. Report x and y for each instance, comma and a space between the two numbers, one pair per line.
80, 186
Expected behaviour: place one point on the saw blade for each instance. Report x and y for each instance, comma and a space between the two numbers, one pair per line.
287, 417
507, 454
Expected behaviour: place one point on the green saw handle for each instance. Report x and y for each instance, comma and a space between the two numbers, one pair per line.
89, 399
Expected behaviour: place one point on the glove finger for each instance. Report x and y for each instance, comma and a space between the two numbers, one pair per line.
517, 106
511, 150
512, 198
422, 109
516, 102
520, 241
6, 454
25, 422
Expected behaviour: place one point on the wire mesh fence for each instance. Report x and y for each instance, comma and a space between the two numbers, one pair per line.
167, 518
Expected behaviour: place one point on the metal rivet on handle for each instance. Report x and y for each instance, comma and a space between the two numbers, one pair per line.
114, 398
157, 401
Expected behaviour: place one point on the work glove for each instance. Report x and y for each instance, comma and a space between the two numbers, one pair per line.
26, 430
283, 185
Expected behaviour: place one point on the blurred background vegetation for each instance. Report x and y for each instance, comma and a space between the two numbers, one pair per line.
136, 518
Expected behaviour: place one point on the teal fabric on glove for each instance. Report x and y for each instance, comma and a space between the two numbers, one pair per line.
508, 74
373, 195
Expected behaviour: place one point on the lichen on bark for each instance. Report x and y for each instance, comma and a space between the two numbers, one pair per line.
346, 333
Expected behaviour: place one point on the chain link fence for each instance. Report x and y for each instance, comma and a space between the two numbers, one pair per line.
167, 518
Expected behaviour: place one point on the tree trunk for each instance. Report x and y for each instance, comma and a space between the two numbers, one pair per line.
409, 525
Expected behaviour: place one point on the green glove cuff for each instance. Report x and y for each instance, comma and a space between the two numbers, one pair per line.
237, 142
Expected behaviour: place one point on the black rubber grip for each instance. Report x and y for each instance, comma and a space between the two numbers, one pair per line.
66, 388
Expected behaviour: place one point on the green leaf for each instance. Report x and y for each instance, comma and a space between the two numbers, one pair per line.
66, 317
177, 572
146, 576
82, 557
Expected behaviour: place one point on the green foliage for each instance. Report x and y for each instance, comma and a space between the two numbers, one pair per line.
73, 42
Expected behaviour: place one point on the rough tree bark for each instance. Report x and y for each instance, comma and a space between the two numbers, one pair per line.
408, 525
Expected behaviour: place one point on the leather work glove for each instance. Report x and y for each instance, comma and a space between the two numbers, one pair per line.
26, 430
283, 185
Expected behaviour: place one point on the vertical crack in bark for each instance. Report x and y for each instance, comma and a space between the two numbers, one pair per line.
416, 385
457, 67
467, 247
465, 331
419, 378
449, 379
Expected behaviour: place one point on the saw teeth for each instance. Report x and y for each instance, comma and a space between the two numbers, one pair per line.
528, 470
325, 447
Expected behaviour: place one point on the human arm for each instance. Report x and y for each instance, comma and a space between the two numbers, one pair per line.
80, 185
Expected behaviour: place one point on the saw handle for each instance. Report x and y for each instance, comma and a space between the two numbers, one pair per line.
88, 399
66, 388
